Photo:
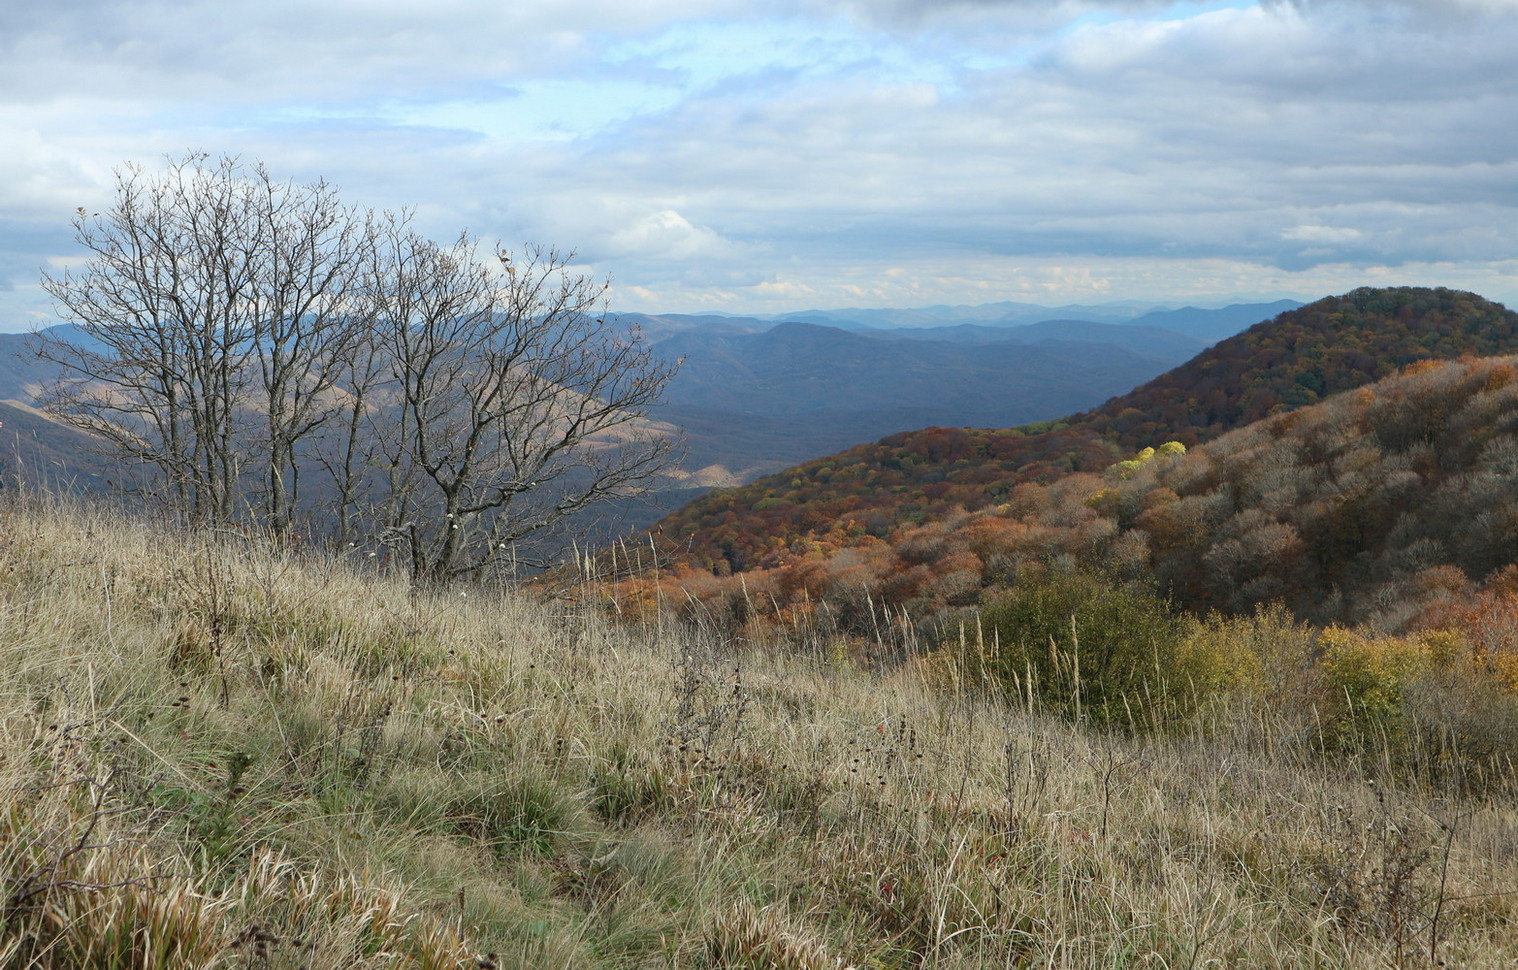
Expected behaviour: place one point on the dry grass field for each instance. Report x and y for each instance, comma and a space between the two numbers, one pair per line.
218, 755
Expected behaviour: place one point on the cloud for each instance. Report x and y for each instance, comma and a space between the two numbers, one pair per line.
1021, 13
1437, 8
1228, 135
1110, 143
1322, 234
719, 151
664, 234
245, 52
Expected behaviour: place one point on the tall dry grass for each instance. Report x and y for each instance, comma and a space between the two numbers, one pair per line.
220, 755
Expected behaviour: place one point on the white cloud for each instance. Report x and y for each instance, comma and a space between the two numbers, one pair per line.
720, 153
665, 234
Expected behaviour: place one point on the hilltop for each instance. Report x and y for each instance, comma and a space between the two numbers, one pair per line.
877, 490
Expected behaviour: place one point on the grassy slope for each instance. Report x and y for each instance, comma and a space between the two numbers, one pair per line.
219, 757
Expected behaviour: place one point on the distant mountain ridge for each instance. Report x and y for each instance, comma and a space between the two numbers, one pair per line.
759, 395
1003, 314
33, 447
764, 400
1213, 325
1147, 341
1296, 359
1205, 324
797, 367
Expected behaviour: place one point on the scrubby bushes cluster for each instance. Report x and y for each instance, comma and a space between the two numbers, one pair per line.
1435, 705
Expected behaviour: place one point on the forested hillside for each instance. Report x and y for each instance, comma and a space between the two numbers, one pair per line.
879, 489
1365, 507
1382, 524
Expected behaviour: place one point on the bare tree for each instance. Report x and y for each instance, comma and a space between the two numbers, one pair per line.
309, 323
240, 335
163, 308
346, 454
216, 315
519, 402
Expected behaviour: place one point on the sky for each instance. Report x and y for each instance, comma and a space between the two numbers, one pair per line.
764, 156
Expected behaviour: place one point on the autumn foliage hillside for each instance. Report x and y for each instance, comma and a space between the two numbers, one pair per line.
1394, 505
882, 490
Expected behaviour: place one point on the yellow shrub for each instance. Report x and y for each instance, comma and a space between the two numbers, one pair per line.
1506, 667
1447, 649
1369, 673
1223, 654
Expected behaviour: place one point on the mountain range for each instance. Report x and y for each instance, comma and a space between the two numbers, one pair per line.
756, 402
755, 396
1339, 506
758, 395
928, 519
1206, 324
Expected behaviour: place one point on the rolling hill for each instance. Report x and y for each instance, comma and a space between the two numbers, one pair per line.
1386, 505
33, 447
1364, 507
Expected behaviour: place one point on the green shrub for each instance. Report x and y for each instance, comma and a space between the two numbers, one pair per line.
1091, 649
1366, 674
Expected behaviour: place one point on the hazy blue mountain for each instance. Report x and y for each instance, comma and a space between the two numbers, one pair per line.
656, 327
1145, 341
19, 372
45, 454
795, 367
1207, 325
991, 314
944, 322
1214, 325
754, 402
